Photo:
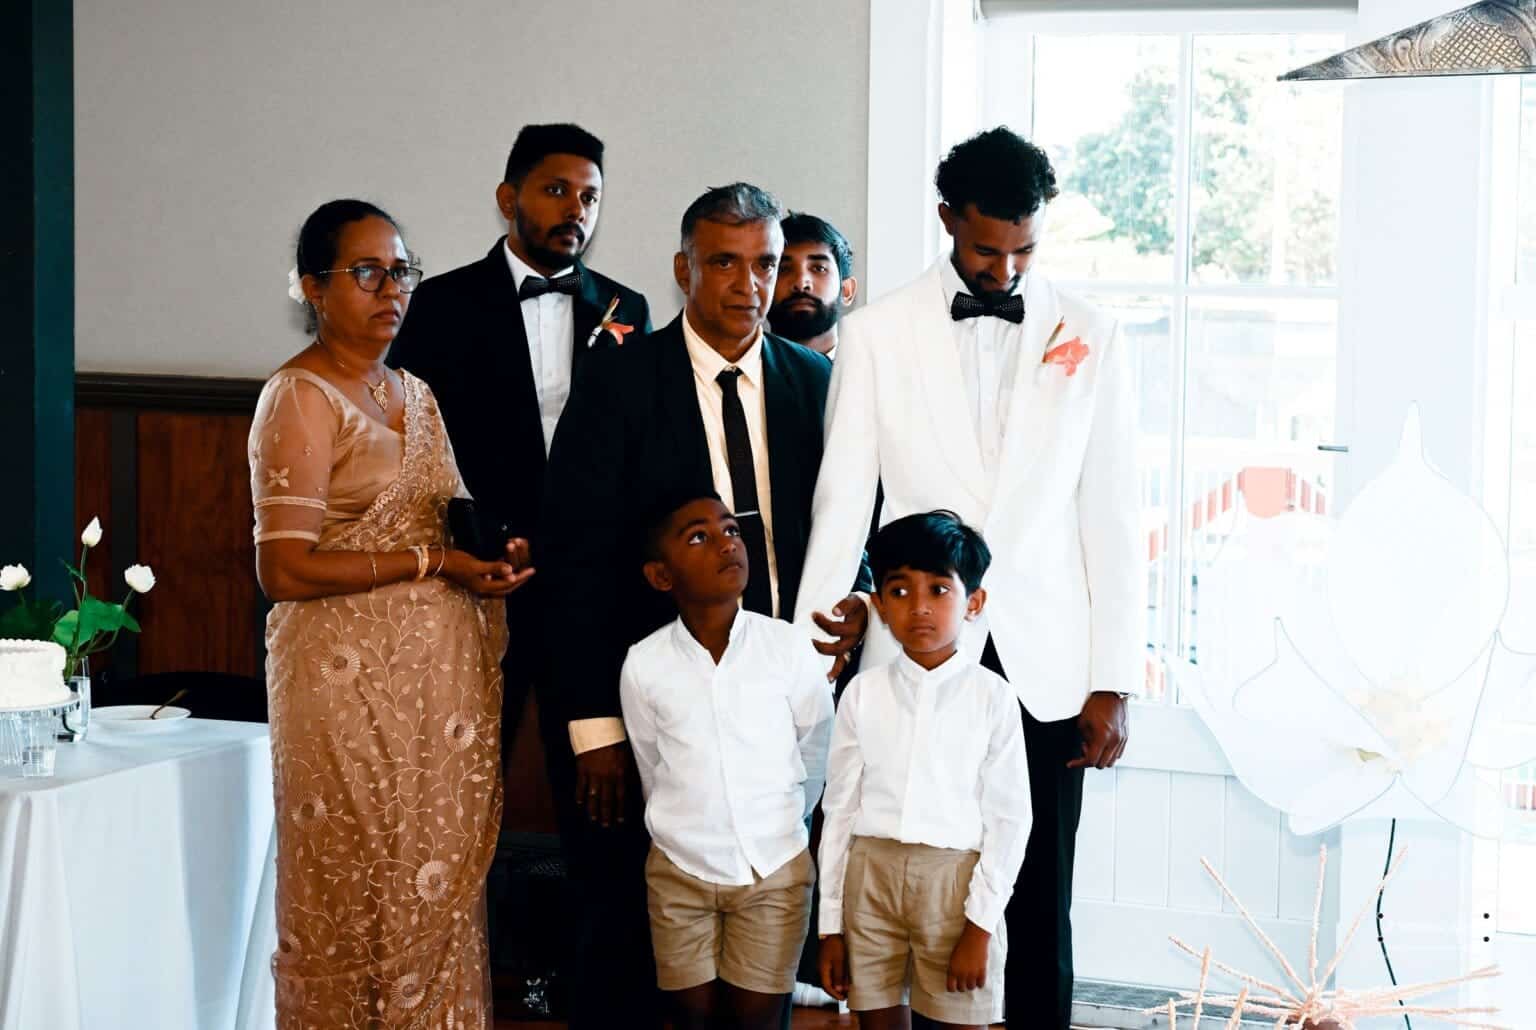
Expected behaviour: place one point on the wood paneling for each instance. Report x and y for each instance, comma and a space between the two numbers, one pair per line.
194, 514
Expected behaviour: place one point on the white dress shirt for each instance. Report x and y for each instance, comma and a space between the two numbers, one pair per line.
707, 364
590, 734
732, 756
929, 757
989, 353
549, 322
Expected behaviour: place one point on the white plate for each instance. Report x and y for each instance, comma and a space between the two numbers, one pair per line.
135, 718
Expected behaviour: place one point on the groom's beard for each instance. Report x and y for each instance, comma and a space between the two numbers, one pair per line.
804, 323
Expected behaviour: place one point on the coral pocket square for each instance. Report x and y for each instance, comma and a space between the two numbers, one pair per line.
1068, 355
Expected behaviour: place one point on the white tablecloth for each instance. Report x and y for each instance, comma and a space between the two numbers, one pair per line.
136, 884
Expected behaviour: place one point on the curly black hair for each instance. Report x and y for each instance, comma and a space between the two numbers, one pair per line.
999, 171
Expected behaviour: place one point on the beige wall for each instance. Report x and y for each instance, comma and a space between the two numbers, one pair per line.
207, 129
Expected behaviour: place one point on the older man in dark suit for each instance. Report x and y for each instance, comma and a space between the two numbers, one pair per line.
710, 403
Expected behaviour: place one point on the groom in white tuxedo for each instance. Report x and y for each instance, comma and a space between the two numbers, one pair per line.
982, 389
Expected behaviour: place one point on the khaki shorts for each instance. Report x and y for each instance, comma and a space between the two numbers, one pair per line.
750, 937
903, 910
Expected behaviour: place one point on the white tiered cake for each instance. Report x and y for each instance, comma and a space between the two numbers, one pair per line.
32, 674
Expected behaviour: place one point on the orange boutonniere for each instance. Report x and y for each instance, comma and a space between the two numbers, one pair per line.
617, 330
1068, 355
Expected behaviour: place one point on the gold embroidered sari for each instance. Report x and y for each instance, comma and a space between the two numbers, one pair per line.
385, 711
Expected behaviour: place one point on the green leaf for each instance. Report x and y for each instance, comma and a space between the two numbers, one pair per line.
99, 617
130, 623
30, 620
64, 629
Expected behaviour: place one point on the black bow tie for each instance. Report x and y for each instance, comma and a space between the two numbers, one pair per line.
1009, 308
534, 286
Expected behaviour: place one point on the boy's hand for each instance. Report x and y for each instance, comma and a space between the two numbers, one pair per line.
968, 962
848, 630
834, 967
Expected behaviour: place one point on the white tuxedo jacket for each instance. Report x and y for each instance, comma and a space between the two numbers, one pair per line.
1066, 593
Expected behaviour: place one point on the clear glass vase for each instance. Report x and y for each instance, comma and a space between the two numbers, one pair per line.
74, 724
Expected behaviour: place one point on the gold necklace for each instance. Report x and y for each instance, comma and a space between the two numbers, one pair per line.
379, 391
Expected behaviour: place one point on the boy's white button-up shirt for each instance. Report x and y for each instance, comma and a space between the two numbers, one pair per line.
732, 756
930, 757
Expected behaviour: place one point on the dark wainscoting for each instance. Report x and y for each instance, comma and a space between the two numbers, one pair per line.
161, 460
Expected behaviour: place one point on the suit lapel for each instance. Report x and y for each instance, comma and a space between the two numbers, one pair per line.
1035, 401
942, 386
507, 338
587, 308
680, 402
784, 416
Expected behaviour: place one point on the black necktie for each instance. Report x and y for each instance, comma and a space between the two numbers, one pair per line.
536, 286
738, 455
1009, 308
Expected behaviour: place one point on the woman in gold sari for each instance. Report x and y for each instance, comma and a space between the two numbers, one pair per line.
383, 662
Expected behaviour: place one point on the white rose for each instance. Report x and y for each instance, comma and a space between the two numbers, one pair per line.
295, 287
141, 580
14, 577
91, 535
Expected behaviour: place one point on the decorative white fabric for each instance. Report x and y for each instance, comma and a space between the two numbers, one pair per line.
136, 884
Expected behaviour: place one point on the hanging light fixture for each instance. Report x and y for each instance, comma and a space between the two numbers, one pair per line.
1495, 37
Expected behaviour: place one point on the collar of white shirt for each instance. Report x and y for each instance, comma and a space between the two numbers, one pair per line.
521, 270
953, 666
707, 362
689, 644
950, 281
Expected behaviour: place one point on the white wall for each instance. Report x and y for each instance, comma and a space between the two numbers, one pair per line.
207, 129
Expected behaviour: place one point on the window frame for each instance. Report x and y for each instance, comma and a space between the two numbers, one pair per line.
1019, 35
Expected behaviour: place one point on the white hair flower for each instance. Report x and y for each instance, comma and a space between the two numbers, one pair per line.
90, 536
295, 287
14, 577
141, 579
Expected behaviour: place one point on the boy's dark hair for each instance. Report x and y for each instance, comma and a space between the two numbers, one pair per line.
536, 142
999, 171
658, 517
800, 227
936, 542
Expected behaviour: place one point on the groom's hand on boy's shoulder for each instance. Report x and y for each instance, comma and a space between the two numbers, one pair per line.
600, 782
847, 631
1105, 727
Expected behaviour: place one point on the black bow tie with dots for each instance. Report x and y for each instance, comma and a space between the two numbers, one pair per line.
1009, 308
535, 286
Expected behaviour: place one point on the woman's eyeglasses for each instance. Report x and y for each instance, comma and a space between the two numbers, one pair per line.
370, 278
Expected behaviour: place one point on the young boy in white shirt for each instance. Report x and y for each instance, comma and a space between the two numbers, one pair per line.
728, 713
927, 805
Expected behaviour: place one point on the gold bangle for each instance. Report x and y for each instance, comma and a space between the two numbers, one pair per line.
373, 566
442, 560
420, 551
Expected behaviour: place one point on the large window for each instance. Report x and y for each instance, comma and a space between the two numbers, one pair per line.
1517, 856
1200, 205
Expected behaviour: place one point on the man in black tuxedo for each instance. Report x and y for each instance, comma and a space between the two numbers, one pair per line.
711, 402
501, 341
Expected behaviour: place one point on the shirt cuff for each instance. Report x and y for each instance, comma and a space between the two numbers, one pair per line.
591, 734
831, 917
985, 909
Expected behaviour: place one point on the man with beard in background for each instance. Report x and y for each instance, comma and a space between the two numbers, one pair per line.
816, 283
